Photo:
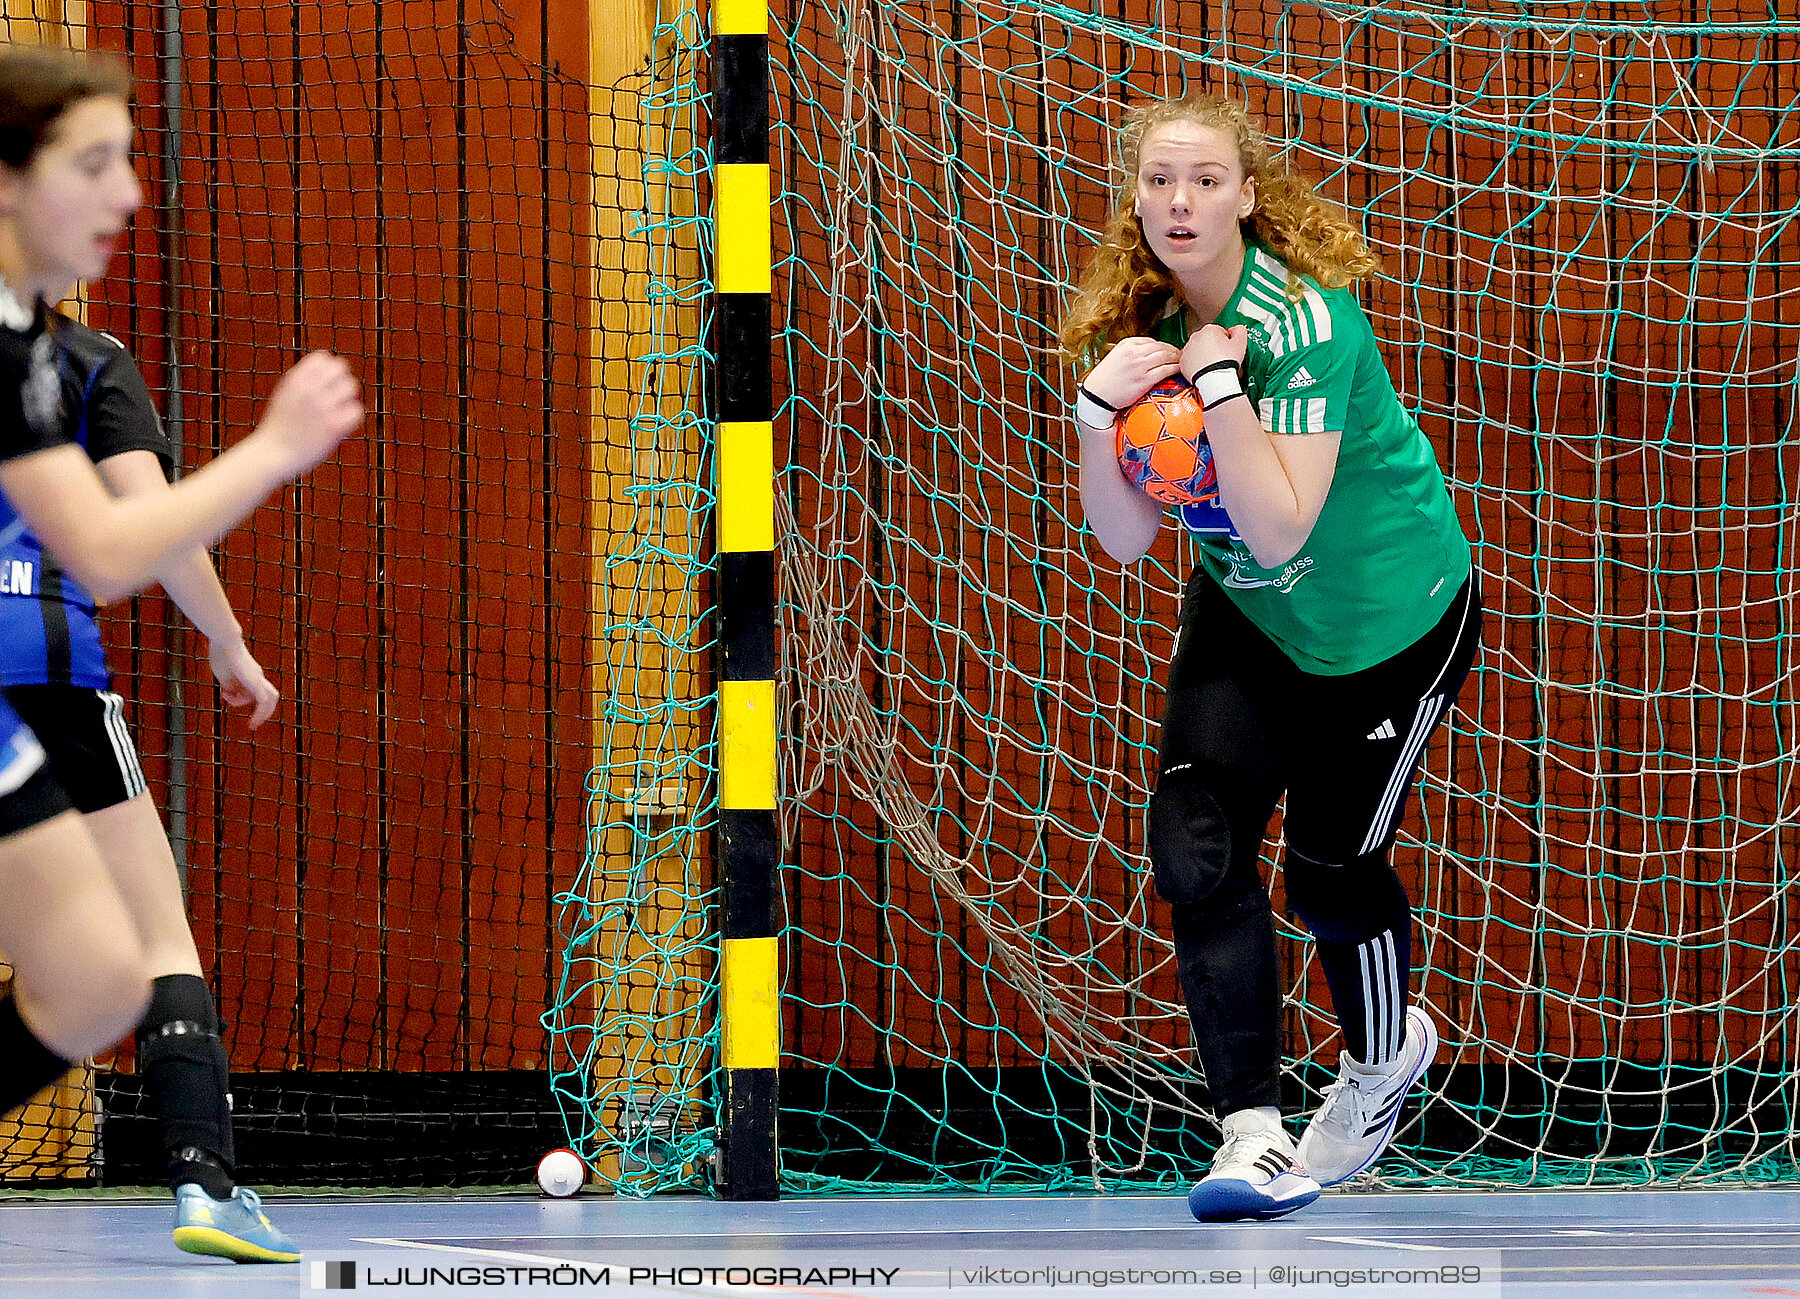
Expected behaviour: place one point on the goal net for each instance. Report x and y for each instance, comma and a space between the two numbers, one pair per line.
1586, 217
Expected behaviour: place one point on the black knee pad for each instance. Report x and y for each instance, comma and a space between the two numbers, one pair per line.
1348, 902
1194, 849
185, 1066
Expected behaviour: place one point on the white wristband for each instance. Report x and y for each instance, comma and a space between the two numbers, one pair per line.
1219, 383
1092, 413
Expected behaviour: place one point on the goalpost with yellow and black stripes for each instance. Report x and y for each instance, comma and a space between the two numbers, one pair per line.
747, 840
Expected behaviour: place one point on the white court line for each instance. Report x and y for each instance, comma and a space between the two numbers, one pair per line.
1385, 1244
1011, 1231
414, 1243
787, 1231
1633, 1245
1496, 1239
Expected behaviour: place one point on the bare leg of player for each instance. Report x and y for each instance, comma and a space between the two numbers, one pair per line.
79, 973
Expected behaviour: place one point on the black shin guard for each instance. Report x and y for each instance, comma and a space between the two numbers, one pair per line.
29, 1066
1206, 835
1230, 979
188, 1077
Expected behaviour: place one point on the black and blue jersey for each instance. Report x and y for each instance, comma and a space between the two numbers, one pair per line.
48, 633
31, 419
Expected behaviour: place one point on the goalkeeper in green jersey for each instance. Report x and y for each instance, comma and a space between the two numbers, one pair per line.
1324, 635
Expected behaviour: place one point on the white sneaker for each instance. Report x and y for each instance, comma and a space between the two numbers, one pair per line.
1357, 1119
1255, 1174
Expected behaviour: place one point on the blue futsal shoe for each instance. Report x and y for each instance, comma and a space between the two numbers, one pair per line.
1256, 1173
236, 1229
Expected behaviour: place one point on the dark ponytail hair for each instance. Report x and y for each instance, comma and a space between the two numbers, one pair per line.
39, 83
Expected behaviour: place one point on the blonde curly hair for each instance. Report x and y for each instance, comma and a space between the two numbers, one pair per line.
1124, 287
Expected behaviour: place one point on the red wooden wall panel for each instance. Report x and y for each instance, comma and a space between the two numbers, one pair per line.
370, 874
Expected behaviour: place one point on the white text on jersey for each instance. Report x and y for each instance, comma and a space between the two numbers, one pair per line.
16, 577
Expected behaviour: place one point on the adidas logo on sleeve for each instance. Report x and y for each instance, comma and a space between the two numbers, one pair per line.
1302, 379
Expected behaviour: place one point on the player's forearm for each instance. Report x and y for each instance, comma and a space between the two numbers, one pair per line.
115, 547
207, 504
187, 576
1122, 517
146, 533
193, 584
1255, 487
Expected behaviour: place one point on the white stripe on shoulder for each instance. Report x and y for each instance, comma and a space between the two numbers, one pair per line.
14, 314
1272, 268
1268, 280
1292, 323
1270, 320
1321, 313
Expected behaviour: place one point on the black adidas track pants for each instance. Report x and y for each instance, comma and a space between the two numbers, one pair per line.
1242, 727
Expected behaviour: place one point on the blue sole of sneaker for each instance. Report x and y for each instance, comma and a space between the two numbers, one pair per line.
1230, 1200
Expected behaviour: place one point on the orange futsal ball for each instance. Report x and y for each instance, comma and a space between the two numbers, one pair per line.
1163, 448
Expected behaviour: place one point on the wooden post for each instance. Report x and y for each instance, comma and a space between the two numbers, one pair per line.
646, 450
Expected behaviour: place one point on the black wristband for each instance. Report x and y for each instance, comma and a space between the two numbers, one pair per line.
1226, 364
1081, 390
1218, 383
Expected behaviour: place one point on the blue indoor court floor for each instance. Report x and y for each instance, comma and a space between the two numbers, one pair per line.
1590, 1243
